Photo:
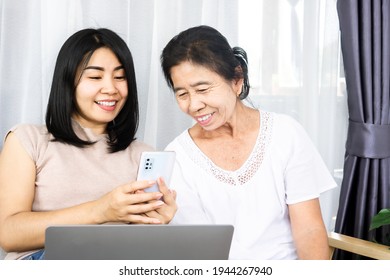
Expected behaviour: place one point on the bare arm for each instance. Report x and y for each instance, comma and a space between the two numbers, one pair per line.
21, 229
309, 231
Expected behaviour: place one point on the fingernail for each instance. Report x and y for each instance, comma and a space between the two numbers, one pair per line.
158, 203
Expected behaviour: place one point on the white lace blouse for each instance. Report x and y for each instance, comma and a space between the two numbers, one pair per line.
283, 168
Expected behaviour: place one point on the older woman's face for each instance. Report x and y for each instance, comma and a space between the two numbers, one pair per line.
101, 91
204, 95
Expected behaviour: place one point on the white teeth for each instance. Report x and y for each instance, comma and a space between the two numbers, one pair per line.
106, 103
202, 119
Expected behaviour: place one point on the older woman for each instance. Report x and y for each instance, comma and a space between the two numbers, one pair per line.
239, 165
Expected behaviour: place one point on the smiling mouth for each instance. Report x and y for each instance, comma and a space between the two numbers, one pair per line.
108, 106
204, 118
106, 103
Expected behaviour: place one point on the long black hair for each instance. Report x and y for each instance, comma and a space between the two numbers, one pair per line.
206, 46
76, 52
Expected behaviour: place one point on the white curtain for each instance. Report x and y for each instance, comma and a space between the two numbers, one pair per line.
294, 56
292, 46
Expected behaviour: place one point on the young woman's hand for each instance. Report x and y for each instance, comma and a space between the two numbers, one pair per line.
128, 203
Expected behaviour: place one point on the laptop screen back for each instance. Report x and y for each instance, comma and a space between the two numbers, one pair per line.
138, 242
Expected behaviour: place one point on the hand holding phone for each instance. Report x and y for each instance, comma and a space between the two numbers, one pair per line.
154, 165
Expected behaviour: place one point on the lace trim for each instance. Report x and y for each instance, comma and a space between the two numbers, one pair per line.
242, 175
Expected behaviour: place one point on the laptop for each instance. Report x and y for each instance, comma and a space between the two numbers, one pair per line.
138, 242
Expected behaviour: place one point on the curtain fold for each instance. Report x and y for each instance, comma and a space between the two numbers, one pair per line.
365, 42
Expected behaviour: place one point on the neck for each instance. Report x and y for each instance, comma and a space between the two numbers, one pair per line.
97, 129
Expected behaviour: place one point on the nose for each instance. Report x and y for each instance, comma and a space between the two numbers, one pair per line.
108, 86
196, 104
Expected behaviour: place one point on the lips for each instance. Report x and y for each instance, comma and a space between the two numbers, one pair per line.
107, 105
205, 119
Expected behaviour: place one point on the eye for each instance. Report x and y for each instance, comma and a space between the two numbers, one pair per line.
202, 90
94, 77
119, 75
181, 94
120, 78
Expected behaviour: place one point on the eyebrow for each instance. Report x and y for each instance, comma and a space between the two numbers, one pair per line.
102, 68
200, 83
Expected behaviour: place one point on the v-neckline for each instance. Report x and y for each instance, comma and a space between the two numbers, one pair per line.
252, 163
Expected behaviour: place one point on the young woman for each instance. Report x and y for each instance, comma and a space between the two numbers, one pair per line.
79, 168
239, 165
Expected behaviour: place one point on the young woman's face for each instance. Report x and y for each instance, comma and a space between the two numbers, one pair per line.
204, 95
101, 91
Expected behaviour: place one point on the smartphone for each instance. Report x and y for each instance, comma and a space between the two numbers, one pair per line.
156, 164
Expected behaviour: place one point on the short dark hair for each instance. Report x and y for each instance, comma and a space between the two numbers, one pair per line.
206, 46
76, 51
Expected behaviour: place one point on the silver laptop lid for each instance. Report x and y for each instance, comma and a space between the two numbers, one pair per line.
138, 242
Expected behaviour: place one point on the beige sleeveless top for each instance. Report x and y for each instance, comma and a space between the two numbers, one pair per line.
68, 175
